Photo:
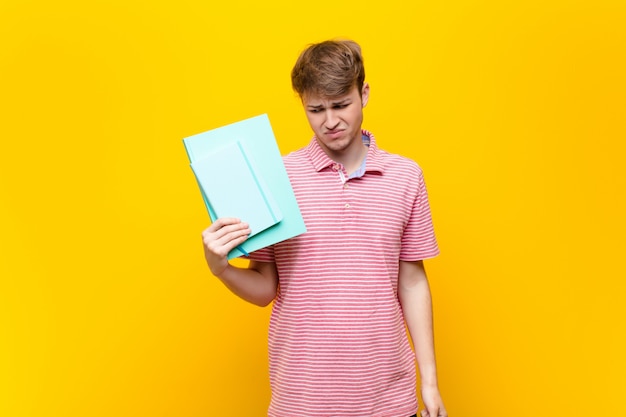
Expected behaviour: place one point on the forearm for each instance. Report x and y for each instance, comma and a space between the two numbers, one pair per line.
256, 284
415, 298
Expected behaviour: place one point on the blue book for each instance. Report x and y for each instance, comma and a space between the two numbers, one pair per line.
240, 173
245, 195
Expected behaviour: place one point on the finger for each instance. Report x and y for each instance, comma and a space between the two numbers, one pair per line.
227, 240
229, 233
234, 243
424, 413
221, 222
210, 234
433, 411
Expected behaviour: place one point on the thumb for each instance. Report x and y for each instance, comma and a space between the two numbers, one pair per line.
424, 413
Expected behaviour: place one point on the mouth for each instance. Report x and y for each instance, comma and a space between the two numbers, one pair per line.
334, 134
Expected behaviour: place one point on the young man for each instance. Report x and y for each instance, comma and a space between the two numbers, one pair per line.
344, 290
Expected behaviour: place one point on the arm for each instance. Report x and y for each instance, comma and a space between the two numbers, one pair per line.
256, 284
415, 298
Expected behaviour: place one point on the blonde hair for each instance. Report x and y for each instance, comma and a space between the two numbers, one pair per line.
329, 69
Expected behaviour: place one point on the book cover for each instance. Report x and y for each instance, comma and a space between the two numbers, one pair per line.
245, 195
250, 140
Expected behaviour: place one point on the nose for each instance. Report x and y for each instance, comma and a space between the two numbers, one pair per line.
332, 120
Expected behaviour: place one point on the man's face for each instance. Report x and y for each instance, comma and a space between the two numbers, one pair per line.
337, 121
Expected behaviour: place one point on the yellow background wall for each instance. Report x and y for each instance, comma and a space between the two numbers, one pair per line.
516, 111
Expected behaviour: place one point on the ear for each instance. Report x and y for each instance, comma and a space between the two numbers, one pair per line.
365, 94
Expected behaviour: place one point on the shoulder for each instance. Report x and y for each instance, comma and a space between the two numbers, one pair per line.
390, 163
295, 156
396, 164
297, 161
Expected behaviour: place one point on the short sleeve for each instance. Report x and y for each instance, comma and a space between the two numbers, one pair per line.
262, 255
418, 240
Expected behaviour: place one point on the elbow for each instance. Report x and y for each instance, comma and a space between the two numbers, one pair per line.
263, 300
263, 303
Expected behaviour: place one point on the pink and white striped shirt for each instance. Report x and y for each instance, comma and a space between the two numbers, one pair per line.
337, 339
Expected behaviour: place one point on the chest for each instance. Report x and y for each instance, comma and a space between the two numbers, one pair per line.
370, 211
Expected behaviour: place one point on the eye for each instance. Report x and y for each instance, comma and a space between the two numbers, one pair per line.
340, 106
316, 110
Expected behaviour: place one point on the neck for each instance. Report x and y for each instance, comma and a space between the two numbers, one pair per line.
353, 165
352, 157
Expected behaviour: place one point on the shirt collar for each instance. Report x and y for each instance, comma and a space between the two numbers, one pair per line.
321, 160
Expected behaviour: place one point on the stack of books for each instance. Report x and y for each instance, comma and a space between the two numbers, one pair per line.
241, 174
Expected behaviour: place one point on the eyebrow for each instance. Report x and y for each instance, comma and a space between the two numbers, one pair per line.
334, 103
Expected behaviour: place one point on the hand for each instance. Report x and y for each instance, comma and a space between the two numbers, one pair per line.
220, 238
433, 403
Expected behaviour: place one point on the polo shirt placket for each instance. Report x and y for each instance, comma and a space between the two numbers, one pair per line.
343, 188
